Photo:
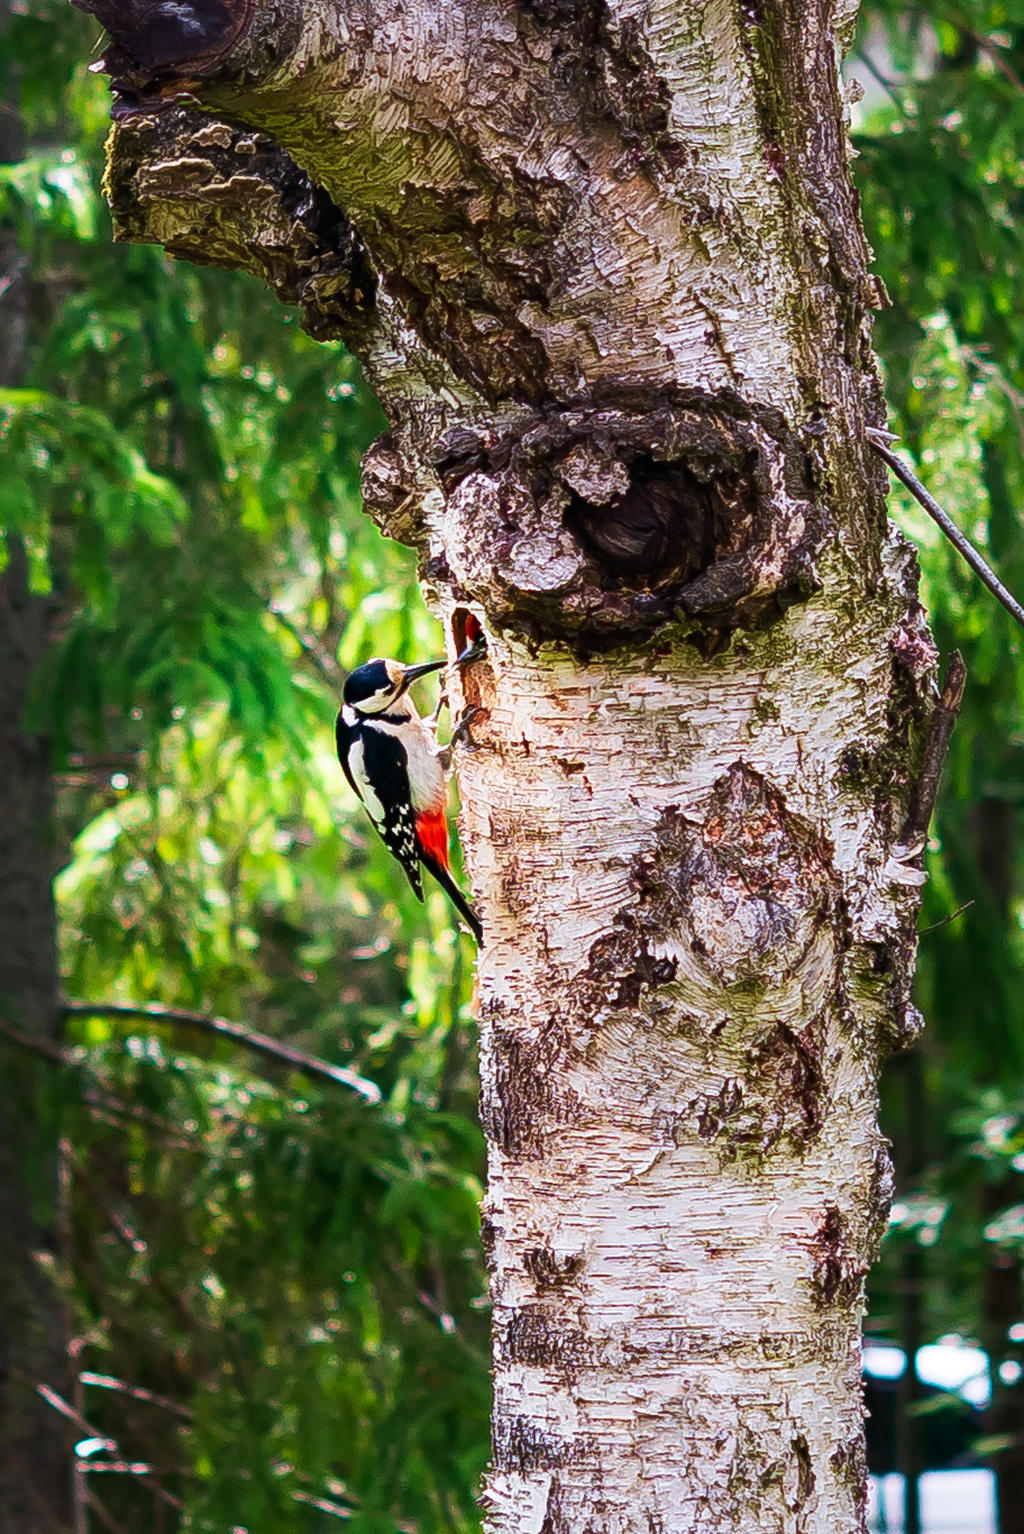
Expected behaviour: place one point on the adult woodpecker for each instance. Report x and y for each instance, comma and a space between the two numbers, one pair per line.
391, 759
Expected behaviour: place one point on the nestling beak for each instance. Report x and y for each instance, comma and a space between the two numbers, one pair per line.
410, 673
475, 650
476, 642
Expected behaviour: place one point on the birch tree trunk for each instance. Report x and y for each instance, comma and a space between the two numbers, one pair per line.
602, 262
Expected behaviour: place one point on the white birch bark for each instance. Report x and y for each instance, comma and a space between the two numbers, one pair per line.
680, 1012
603, 264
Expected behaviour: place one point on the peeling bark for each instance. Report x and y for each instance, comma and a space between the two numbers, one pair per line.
223, 196
618, 316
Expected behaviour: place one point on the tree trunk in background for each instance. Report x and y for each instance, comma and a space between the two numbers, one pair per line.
35, 1473
603, 265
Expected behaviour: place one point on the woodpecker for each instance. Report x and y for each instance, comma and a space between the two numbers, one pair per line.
390, 757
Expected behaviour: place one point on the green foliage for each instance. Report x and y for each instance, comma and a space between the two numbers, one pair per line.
299, 1271
293, 1274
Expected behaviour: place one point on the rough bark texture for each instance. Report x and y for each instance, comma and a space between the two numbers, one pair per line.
618, 317
35, 1473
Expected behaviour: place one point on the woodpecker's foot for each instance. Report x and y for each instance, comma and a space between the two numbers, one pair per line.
461, 735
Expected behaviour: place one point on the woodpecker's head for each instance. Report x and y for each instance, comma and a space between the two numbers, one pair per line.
373, 688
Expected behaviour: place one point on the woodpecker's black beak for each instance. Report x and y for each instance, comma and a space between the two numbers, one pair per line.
410, 673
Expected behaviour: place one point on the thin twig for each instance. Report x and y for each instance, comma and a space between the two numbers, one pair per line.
259, 1043
137, 1393
125, 1233
51, 1052
72, 1345
887, 85
142, 1469
963, 546
986, 46
106, 1518
945, 920
143, 1472
322, 1505
103, 1103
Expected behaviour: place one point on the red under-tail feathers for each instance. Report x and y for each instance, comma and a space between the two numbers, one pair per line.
432, 835
432, 842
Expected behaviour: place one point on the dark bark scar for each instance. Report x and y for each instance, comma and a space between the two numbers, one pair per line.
839, 1269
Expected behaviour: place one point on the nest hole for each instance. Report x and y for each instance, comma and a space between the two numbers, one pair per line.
467, 628
665, 528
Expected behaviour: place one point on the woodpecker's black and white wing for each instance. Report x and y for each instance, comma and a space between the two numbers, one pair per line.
373, 761
346, 728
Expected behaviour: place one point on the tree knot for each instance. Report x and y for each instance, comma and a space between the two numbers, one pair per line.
593, 526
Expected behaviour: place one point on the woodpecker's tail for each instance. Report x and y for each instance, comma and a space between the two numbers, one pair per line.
454, 894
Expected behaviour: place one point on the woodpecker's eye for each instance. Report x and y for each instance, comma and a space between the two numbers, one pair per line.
396, 673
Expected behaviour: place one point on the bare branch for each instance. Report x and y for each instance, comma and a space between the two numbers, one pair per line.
321, 660
335, 1509
50, 1052
136, 1392
144, 1472
944, 921
259, 1043
879, 441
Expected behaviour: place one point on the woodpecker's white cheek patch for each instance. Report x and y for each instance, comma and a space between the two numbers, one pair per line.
376, 703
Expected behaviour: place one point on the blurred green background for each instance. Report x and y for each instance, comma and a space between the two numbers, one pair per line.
288, 1274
